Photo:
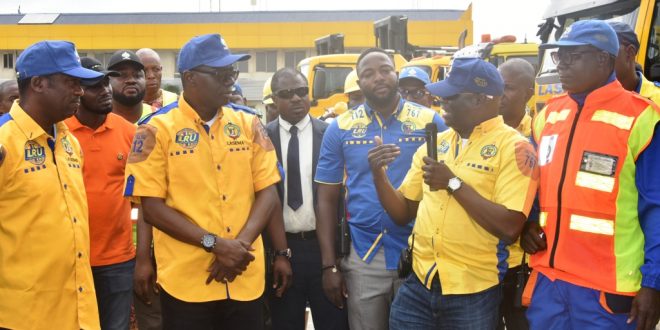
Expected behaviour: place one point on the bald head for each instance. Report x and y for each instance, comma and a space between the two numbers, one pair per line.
8, 93
518, 76
153, 72
147, 53
521, 68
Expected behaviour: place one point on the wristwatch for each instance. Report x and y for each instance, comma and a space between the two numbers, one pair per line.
454, 184
285, 253
208, 242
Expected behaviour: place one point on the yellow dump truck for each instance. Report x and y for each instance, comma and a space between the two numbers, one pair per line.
326, 75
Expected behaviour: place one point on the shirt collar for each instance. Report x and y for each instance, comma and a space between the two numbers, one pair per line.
189, 112
302, 124
487, 126
29, 127
525, 125
370, 111
581, 98
74, 124
640, 79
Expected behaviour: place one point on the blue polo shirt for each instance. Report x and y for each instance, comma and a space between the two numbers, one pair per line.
343, 157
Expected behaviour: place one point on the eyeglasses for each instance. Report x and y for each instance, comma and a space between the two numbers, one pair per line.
446, 100
288, 93
569, 58
415, 93
224, 76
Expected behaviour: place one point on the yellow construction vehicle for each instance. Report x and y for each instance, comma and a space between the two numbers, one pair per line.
326, 75
641, 15
499, 50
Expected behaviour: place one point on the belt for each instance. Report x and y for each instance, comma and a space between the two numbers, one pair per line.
303, 235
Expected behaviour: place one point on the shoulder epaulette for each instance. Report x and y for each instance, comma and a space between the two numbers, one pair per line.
243, 108
5, 119
160, 111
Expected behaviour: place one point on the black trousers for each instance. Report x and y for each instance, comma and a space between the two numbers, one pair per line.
212, 315
288, 312
513, 317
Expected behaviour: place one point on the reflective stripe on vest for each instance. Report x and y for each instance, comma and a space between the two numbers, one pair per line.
592, 225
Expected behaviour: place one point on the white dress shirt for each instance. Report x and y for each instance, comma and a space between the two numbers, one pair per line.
304, 218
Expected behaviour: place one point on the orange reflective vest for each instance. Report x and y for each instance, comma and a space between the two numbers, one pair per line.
587, 191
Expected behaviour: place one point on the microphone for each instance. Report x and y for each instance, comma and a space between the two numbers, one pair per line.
431, 132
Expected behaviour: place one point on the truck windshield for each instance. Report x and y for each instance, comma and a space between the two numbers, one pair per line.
559, 24
329, 81
532, 59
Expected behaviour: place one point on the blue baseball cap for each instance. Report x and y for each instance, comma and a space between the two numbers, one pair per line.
469, 75
625, 33
413, 72
50, 57
208, 49
588, 32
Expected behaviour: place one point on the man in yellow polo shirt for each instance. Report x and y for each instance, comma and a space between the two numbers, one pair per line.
45, 276
518, 76
468, 205
204, 171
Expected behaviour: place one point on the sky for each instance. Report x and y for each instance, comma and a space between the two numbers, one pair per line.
489, 17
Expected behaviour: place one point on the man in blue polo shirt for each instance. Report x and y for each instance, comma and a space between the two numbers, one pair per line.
367, 277
412, 86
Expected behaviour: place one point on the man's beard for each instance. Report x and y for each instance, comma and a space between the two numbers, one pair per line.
378, 101
128, 101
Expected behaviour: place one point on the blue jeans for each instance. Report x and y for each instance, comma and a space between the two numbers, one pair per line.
415, 308
114, 294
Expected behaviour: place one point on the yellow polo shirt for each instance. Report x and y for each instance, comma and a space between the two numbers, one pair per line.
45, 276
168, 97
500, 164
515, 251
649, 89
211, 179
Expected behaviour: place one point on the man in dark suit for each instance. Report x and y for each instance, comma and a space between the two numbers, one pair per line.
297, 139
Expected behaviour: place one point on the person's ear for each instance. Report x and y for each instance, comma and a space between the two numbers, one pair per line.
189, 77
529, 92
38, 83
631, 52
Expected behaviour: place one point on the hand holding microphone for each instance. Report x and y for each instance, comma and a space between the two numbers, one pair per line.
431, 132
436, 174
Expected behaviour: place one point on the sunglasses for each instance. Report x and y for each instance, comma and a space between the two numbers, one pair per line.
288, 93
569, 58
224, 76
415, 93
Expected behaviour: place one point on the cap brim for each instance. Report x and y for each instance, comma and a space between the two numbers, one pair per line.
227, 60
268, 101
94, 81
562, 43
83, 73
442, 89
128, 60
416, 78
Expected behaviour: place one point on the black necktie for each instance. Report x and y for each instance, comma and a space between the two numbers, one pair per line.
293, 186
